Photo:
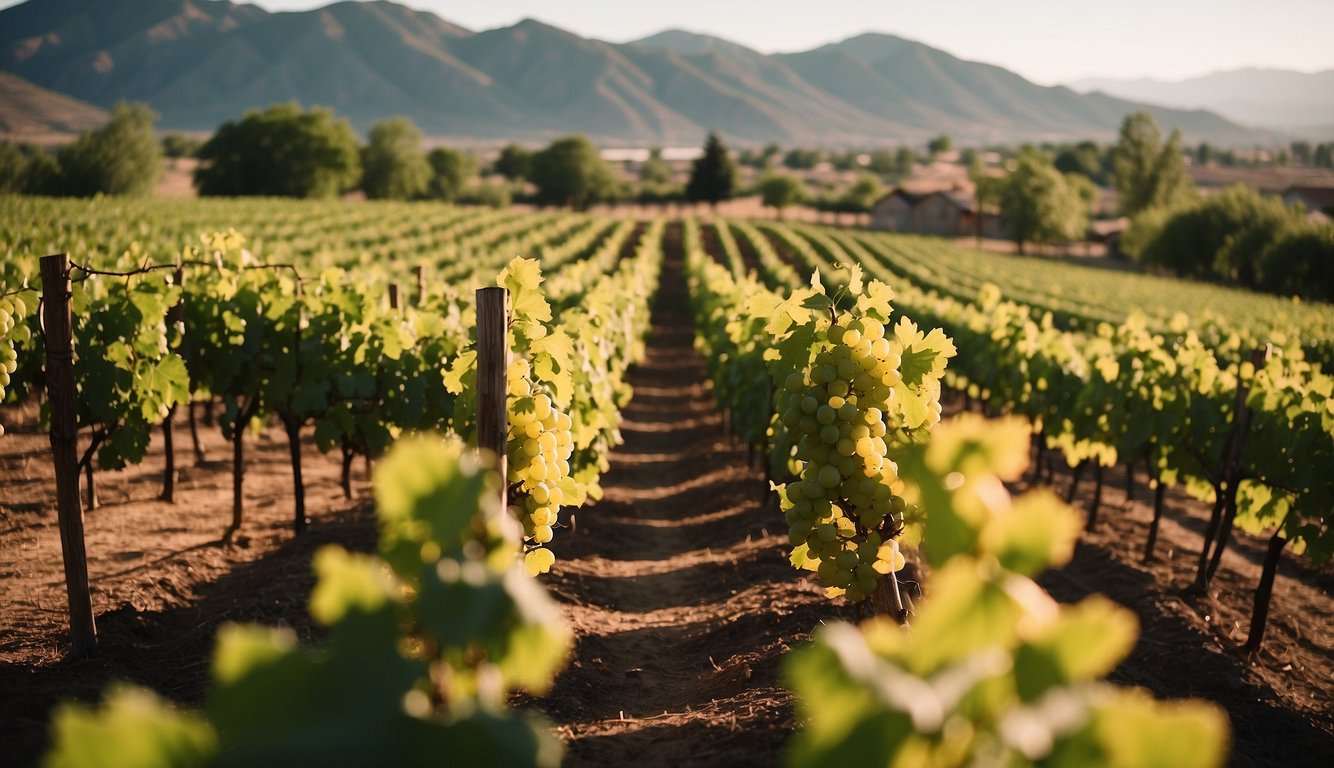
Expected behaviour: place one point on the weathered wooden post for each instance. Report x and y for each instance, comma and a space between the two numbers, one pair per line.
419, 272
174, 315
61, 393
393, 296
492, 362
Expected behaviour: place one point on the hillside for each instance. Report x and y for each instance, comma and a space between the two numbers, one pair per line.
200, 62
31, 113
1301, 102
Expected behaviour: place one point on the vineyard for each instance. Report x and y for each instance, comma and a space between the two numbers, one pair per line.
761, 493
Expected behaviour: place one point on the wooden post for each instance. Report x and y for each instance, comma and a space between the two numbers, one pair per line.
492, 362
393, 295
174, 315
420, 273
60, 388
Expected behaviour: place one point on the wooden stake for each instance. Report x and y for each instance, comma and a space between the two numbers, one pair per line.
61, 393
492, 362
419, 272
393, 295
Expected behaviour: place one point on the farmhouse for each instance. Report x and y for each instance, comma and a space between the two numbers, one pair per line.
1316, 199
950, 212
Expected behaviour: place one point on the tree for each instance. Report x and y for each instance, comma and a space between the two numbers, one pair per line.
1299, 263
799, 159
1084, 158
941, 143
13, 169
1041, 204
904, 160
863, 193
571, 172
122, 157
449, 171
393, 165
655, 171
177, 145
1219, 236
1146, 171
779, 191
515, 163
882, 162
712, 177
281, 151
1204, 154
1324, 156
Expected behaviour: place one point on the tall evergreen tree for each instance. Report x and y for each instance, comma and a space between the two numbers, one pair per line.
713, 176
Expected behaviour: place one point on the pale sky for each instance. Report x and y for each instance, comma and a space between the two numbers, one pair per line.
1047, 41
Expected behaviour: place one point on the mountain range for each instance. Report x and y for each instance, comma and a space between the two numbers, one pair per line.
202, 62
1298, 102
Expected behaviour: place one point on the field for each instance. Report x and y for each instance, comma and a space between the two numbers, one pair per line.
675, 582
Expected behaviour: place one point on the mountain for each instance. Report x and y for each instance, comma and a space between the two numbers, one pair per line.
1300, 102
31, 113
202, 62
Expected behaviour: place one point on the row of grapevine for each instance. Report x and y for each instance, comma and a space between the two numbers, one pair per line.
1125, 393
992, 666
328, 354
1224, 317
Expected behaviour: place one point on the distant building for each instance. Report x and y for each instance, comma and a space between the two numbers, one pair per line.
1316, 199
951, 212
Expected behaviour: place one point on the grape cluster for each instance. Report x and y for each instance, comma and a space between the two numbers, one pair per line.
540, 446
843, 507
12, 310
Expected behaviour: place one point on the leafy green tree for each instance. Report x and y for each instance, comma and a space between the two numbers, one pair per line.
1146, 171
863, 193
1084, 158
1041, 204
393, 164
13, 169
799, 159
1220, 236
904, 160
1204, 154
1299, 263
713, 177
571, 172
655, 170
177, 145
941, 143
281, 151
515, 163
845, 161
450, 171
779, 190
882, 162
1324, 156
122, 157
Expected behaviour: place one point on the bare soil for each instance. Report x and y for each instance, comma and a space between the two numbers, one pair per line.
676, 584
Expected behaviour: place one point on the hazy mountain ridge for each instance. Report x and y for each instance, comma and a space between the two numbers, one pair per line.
1301, 102
30, 112
201, 62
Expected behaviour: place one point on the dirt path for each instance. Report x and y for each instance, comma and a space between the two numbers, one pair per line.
677, 583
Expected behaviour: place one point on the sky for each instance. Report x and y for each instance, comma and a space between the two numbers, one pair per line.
1047, 41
